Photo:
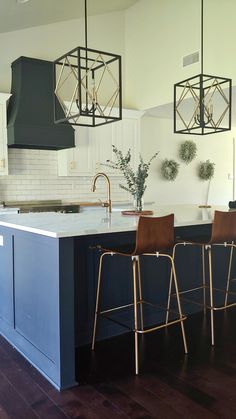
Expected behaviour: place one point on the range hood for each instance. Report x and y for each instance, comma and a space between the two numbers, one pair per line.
30, 111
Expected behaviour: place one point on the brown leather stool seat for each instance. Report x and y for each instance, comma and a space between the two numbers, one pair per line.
224, 235
153, 235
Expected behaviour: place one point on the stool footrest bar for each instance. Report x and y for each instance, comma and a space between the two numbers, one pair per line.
161, 307
151, 329
161, 325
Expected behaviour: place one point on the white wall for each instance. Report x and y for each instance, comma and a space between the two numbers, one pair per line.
152, 39
157, 135
49, 42
160, 32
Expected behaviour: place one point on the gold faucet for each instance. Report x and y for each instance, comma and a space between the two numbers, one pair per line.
107, 204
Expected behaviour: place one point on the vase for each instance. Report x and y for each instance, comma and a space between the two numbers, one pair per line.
138, 203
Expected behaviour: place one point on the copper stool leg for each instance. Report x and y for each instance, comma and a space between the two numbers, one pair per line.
178, 303
140, 292
211, 296
203, 281
169, 296
204, 278
170, 288
97, 299
134, 262
229, 275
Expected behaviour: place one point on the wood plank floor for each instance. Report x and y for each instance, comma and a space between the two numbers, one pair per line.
201, 385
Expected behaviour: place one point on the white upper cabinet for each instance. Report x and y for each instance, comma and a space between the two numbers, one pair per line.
77, 161
3, 134
94, 146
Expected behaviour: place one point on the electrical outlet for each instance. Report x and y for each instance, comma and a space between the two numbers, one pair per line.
72, 165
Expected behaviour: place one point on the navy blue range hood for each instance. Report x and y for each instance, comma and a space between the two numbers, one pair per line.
30, 111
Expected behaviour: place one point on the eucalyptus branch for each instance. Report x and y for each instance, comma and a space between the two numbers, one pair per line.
135, 179
111, 165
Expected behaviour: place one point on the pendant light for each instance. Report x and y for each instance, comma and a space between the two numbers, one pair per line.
87, 86
202, 104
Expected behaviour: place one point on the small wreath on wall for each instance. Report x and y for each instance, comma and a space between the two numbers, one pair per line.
169, 169
188, 151
206, 170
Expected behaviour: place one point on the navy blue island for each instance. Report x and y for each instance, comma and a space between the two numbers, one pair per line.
48, 276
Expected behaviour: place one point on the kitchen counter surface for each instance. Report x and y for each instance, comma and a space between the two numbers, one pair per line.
99, 222
9, 210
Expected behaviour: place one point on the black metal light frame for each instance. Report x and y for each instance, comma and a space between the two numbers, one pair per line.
198, 88
88, 68
200, 91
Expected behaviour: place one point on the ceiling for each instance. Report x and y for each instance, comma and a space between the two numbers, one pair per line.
15, 16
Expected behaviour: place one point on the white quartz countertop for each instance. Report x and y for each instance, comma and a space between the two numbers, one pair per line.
99, 222
8, 210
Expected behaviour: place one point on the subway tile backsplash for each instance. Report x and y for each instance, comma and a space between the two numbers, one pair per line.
33, 176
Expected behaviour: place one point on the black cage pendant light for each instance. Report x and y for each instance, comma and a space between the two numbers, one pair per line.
202, 104
87, 86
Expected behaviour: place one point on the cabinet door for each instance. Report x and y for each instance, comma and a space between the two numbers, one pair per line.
103, 138
94, 147
124, 135
77, 161
128, 137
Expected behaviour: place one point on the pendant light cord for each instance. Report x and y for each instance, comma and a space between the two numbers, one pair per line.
201, 36
85, 24
86, 52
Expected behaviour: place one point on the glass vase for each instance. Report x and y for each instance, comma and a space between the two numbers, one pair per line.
138, 203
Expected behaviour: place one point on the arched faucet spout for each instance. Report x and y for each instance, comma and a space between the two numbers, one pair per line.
107, 204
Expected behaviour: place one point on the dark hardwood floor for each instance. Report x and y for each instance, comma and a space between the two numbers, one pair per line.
171, 385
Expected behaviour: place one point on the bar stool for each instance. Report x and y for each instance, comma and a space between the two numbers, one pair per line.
223, 234
154, 238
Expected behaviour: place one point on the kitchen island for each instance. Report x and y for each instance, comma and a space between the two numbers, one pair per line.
48, 279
